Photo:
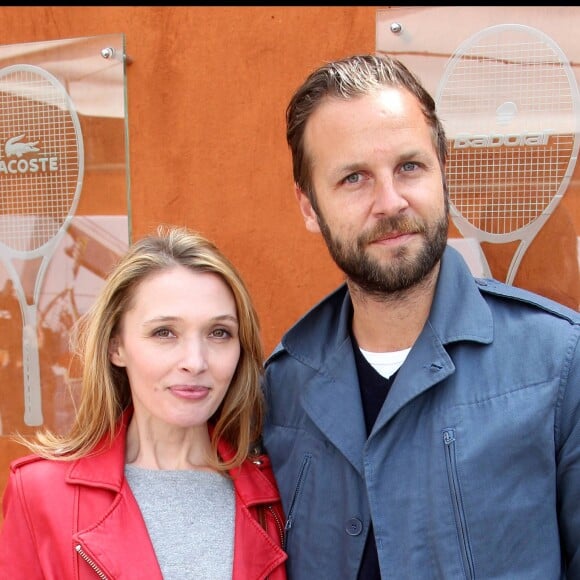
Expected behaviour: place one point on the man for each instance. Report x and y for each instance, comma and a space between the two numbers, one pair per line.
422, 424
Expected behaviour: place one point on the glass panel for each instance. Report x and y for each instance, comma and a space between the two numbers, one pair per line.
505, 81
64, 214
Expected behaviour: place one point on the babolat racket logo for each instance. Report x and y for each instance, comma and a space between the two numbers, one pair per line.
465, 140
19, 148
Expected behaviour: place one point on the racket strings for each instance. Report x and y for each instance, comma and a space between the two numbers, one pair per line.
39, 160
505, 190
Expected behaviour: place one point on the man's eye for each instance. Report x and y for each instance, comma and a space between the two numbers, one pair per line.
409, 166
352, 178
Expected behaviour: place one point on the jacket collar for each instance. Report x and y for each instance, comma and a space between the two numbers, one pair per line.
105, 468
458, 312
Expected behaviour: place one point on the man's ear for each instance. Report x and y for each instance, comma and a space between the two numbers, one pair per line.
308, 213
115, 354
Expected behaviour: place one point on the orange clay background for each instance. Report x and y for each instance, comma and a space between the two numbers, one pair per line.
207, 91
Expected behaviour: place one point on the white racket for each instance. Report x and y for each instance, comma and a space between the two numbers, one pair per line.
41, 174
509, 102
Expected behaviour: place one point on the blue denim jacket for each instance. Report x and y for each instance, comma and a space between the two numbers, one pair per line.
472, 470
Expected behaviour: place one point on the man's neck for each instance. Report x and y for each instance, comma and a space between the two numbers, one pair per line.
391, 322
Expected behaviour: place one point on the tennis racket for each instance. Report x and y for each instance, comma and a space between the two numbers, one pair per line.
41, 174
509, 102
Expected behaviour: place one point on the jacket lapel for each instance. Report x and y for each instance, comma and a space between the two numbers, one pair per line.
256, 555
322, 343
344, 426
108, 521
120, 543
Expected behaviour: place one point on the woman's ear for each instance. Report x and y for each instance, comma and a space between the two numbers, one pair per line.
115, 352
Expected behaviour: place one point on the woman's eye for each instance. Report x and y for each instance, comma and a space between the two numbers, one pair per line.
220, 333
163, 333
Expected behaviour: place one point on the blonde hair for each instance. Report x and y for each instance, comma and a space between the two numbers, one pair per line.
105, 393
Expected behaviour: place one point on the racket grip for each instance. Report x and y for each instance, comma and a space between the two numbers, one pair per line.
31, 374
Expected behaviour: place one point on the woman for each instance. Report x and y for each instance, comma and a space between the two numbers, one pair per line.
157, 477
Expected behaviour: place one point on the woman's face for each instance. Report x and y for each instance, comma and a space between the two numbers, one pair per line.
180, 347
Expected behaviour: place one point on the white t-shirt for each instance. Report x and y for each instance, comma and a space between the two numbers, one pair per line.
386, 363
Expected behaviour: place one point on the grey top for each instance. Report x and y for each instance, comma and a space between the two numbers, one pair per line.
190, 517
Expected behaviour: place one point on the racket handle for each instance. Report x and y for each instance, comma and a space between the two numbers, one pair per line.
516, 261
31, 374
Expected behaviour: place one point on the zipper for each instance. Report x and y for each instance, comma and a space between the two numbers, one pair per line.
90, 562
301, 477
450, 458
279, 525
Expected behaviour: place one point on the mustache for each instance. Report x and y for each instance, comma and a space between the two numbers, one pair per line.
390, 225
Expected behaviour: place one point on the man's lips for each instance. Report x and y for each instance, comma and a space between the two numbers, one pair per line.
391, 236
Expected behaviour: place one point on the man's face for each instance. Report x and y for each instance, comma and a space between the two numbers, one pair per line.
379, 189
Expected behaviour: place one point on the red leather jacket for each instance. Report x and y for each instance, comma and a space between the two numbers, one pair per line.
79, 521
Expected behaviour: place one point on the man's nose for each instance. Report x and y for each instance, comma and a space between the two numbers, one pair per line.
388, 199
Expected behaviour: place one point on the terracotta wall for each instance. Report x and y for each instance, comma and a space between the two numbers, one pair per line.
207, 91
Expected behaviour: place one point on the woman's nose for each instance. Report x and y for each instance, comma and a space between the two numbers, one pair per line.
194, 355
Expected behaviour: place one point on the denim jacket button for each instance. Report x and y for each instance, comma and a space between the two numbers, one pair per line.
353, 527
